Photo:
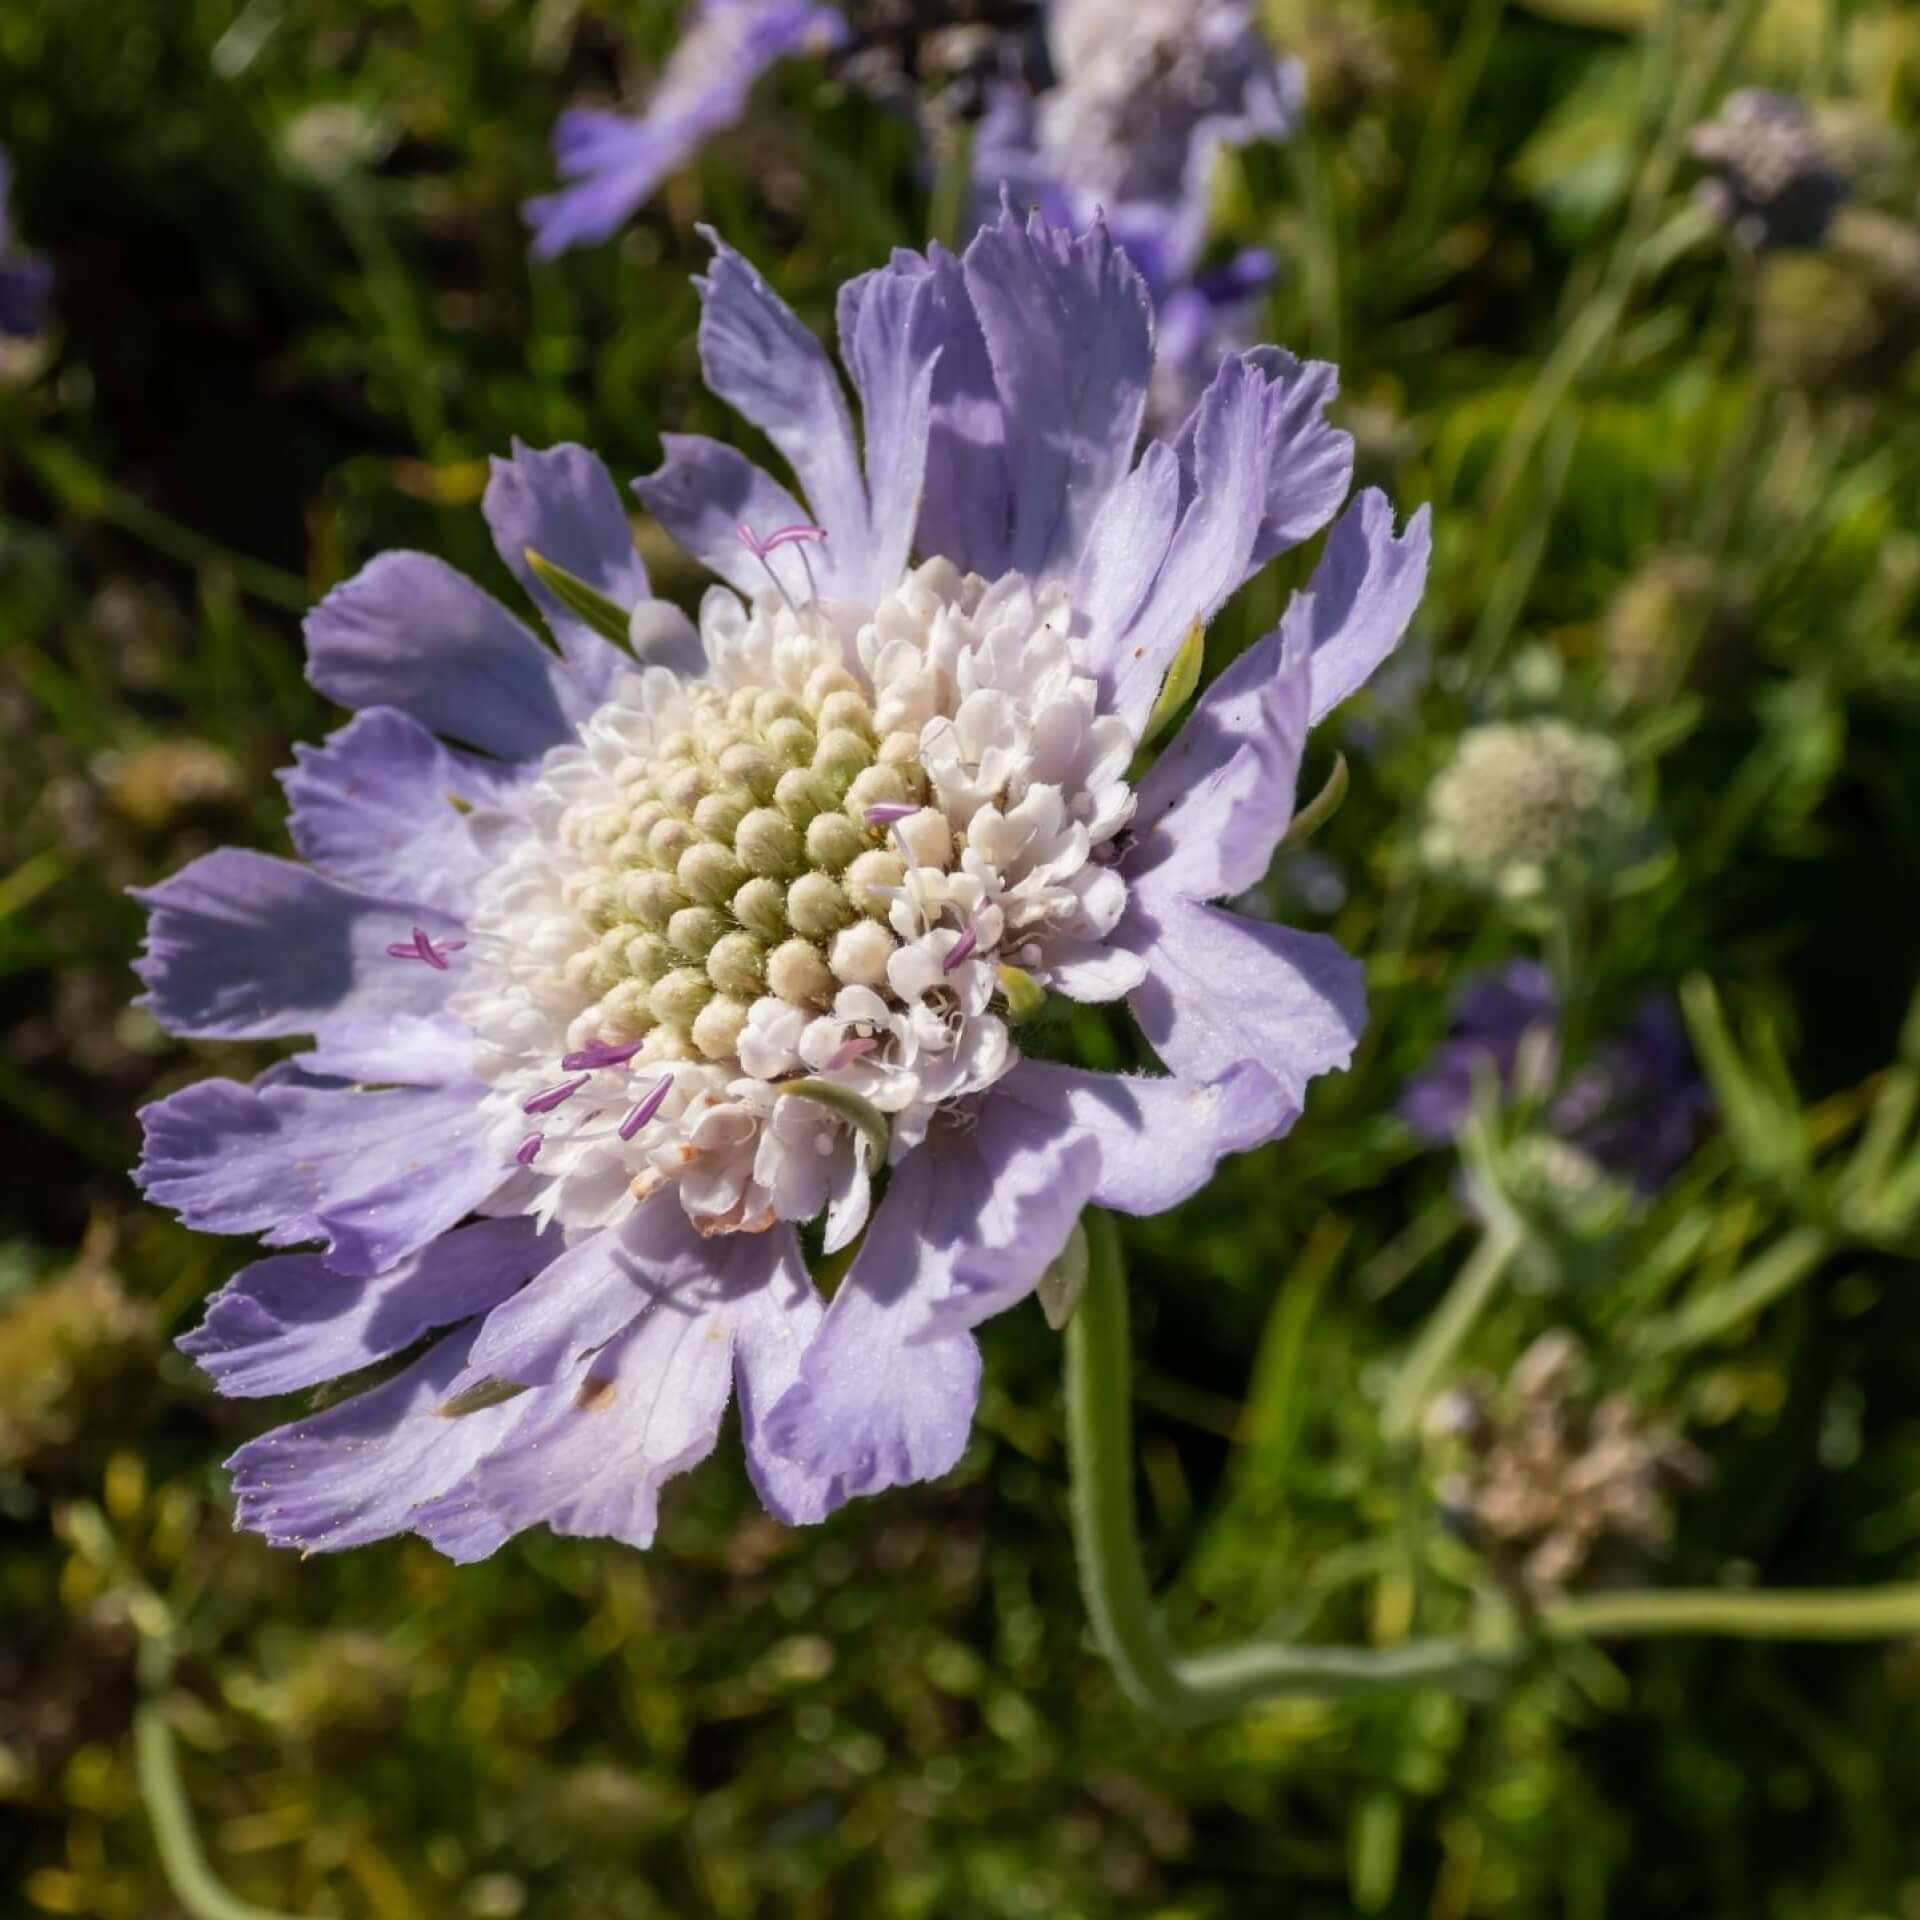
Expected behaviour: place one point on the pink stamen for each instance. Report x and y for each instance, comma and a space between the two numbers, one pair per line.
849, 1050
647, 1108
888, 812
529, 1149
802, 535
421, 947
962, 948
550, 1097
602, 1053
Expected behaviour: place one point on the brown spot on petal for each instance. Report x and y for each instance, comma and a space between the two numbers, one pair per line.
647, 1183
596, 1393
688, 1155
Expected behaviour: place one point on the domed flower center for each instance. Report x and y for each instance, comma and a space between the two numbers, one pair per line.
756, 928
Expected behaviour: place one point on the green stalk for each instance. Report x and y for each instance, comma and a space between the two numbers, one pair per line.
1187, 1690
1843, 1613
187, 1871
1444, 1334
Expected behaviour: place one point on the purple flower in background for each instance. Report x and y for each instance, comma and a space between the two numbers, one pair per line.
662, 959
1144, 101
25, 279
615, 162
1774, 184
1635, 1108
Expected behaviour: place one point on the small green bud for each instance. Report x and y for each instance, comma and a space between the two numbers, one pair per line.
709, 873
678, 998
737, 964
767, 843
761, 907
694, 929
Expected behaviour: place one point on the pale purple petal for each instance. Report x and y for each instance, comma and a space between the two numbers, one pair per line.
407, 631
389, 1049
703, 493
292, 1322
561, 502
367, 1468
965, 505
1216, 803
383, 806
373, 1175
880, 1402
1211, 547
890, 339
1125, 550
1221, 988
241, 946
773, 1324
766, 366
593, 1290
1363, 594
1158, 1139
591, 1453
1069, 332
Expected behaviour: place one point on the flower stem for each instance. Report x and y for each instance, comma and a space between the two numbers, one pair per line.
1843, 1613
1187, 1690
161, 1787
1441, 1338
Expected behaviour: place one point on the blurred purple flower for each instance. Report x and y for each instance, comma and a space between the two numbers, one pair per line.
26, 280
703, 945
616, 162
1774, 183
1144, 101
1636, 1107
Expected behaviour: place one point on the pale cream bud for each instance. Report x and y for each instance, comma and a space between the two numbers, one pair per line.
719, 814
927, 837
877, 867
797, 973
717, 1026
761, 907
709, 873
694, 929
839, 756
651, 897
767, 843
833, 840
860, 954
737, 964
846, 709
680, 996
817, 905
801, 795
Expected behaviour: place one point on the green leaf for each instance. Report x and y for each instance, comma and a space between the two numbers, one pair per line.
868, 1118
582, 601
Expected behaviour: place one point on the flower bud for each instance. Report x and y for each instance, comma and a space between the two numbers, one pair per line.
678, 998
817, 905
846, 709
684, 788
927, 837
792, 743
718, 816
761, 907
877, 867
752, 767
651, 897
694, 929
736, 964
797, 973
839, 756
860, 954
710, 873
649, 958
767, 843
833, 840
625, 1013
717, 1026
801, 794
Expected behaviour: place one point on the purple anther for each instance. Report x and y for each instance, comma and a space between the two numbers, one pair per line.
962, 949
802, 535
647, 1108
602, 1053
421, 947
550, 1097
888, 812
528, 1151
850, 1050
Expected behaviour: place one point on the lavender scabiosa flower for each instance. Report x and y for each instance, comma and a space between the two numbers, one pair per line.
708, 943
25, 279
1635, 1108
1773, 182
614, 162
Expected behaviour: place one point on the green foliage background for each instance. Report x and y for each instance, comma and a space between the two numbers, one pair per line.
294, 316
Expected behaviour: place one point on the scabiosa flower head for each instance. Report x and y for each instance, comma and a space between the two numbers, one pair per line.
1773, 182
663, 959
1634, 1108
25, 279
1521, 803
614, 163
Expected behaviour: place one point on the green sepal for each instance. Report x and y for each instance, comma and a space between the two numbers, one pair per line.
479, 1397
1320, 809
1177, 688
582, 601
1064, 1281
1025, 995
872, 1123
